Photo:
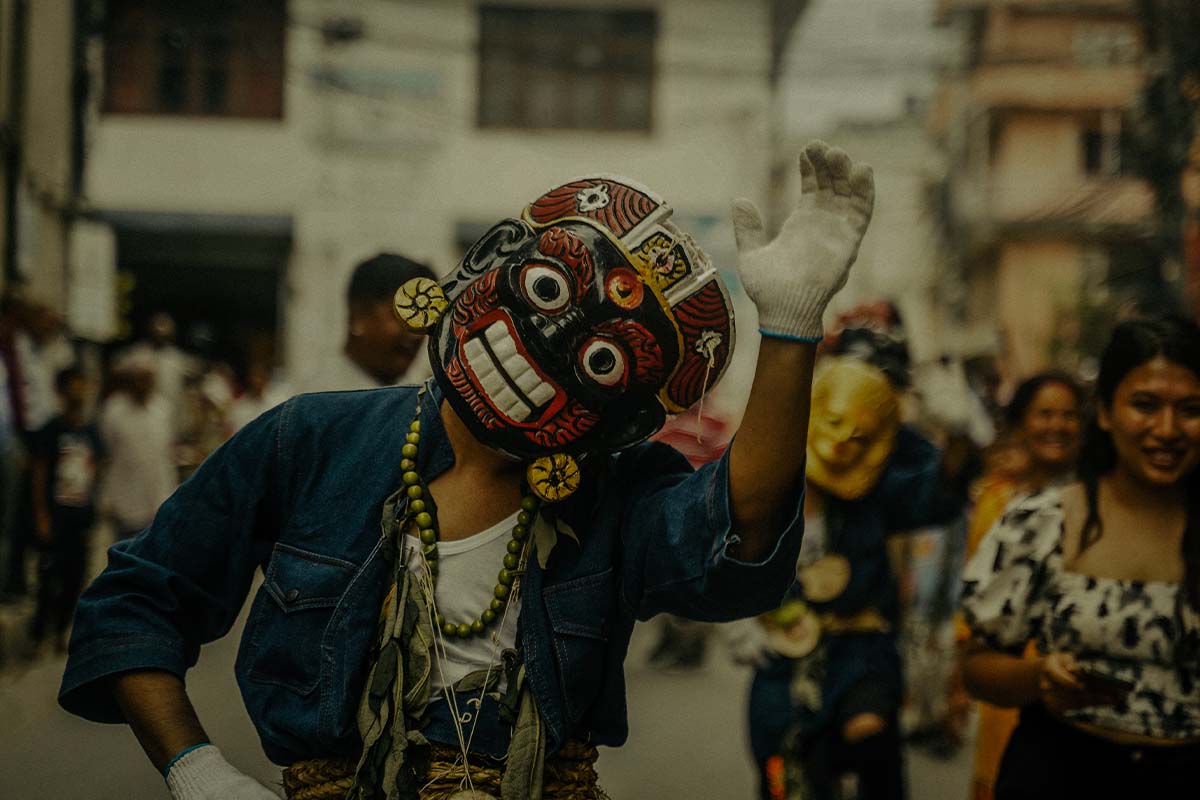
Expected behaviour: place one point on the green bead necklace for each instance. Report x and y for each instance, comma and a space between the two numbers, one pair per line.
427, 532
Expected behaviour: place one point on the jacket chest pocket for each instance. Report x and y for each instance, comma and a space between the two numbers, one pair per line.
579, 612
293, 609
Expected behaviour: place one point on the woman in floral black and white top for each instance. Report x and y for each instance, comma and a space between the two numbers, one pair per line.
1104, 577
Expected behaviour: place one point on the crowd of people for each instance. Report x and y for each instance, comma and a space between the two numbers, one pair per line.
86, 437
95, 439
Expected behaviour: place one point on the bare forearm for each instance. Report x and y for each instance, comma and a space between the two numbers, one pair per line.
766, 462
158, 710
1001, 679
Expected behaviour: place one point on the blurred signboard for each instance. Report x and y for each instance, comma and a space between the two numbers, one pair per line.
26, 233
385, 110
92, 287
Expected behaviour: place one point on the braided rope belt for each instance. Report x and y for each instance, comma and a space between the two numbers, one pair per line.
570, 775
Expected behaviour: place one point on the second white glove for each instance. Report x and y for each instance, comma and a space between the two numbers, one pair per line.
204, 774
748, 642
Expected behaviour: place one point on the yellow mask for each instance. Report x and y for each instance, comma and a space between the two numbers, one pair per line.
852, 427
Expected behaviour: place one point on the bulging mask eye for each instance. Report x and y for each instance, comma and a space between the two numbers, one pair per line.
546, 288
604, 362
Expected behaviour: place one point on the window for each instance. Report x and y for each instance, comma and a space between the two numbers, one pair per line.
1104, 46
566, 68
215, 58
1100, 140
1093, 152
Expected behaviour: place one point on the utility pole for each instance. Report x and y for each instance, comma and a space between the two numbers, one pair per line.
11, 132
784, 15
1166, 125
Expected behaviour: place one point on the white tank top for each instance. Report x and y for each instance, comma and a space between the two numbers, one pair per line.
467, 574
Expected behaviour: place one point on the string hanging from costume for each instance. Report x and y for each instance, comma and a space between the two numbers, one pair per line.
707, 347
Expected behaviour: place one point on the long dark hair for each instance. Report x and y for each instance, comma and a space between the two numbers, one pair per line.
1134, 343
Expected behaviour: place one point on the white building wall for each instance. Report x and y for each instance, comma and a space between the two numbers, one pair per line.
401, 170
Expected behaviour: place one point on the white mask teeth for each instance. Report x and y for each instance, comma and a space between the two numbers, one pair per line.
499, 367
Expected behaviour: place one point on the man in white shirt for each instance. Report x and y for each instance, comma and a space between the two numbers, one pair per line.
172, 367
136, 426
43, 350
378, 350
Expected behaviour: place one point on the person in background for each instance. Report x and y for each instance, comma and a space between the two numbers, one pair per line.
12, 450
208, 398
65, 456
136, 426
41, 350
1103, 575
1039, 449
378, 351
258, 395
945, 408
828, 682
172, 366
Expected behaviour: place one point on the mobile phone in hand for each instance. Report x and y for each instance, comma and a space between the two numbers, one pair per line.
1101, 682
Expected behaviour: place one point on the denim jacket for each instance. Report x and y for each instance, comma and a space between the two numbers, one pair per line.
299, 492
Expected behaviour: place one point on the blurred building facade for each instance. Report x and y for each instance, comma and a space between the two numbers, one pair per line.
860, 75
898, 258
1044, 224
246, 156
40, 138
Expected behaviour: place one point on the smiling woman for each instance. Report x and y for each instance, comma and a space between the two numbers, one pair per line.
1040, 450
1104, 578
1044, 415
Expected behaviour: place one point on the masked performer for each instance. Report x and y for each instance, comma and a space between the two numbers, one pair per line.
452, 575
827, 685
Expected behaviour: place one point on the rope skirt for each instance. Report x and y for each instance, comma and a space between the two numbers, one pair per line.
569, 775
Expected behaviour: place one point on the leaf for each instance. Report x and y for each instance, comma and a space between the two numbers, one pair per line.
475, 681
564, 528
545, 537
526, 763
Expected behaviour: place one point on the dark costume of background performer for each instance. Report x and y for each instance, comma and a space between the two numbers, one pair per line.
828, 681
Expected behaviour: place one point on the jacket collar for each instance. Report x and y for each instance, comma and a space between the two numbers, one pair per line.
436, 454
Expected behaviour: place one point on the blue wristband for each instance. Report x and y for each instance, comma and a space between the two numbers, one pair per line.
790, 338
181, 754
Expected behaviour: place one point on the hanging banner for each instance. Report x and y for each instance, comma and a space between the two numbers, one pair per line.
92, 281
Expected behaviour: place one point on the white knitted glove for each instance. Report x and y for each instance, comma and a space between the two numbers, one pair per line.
748, 643
793, 277
204, 774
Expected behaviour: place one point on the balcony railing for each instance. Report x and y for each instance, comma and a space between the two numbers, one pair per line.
1094, 205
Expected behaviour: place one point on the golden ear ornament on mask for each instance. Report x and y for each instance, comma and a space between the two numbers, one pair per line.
554, 477
419, 304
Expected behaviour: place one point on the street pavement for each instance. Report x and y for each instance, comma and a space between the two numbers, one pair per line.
687, 736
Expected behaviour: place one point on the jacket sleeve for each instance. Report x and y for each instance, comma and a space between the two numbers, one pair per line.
676, 532
913, 490
180, 583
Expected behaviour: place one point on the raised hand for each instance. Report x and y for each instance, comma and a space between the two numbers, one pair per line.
792, 278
